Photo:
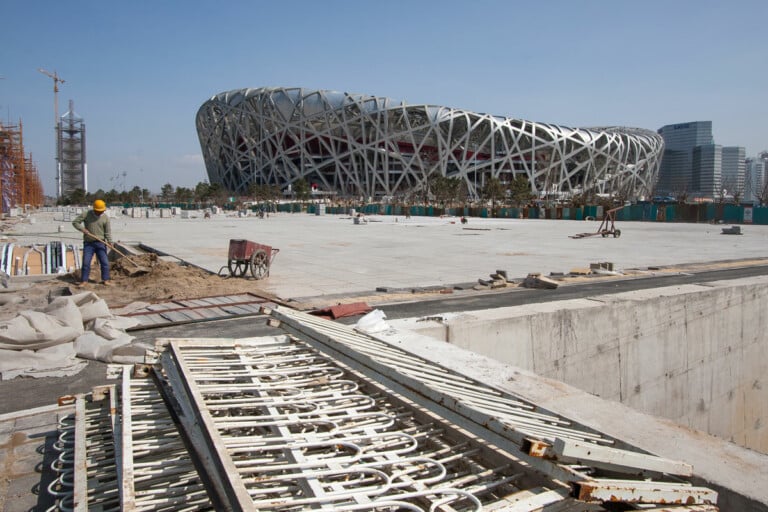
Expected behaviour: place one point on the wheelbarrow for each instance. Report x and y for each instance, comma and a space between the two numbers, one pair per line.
246, 256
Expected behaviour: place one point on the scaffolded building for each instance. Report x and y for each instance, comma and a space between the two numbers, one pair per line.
71, 144
358, 145
19, 181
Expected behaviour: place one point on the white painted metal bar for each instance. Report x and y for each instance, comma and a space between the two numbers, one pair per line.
126, 443
633, 491
575, 452
80, 491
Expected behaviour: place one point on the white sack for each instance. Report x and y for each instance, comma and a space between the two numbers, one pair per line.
65, 309
114, 326
91, 306
372, 322
34, 330
58, 361
92, 346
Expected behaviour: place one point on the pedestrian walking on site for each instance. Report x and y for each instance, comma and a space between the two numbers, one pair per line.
94, 225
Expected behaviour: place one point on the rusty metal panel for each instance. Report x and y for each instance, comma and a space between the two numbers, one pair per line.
633, 491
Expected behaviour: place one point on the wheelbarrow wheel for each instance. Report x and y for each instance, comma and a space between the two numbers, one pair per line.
237, 268
617, 233
259, 264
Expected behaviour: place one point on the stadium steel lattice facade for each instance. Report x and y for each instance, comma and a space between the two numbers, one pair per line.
365, 146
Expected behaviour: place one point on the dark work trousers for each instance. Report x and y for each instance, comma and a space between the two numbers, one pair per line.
101, 253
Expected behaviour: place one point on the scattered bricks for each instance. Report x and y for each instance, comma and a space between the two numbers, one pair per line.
446, 291
503, 273
483, 282
498, 283
603, 265
539, 281
480, 287
580, 271
382, 289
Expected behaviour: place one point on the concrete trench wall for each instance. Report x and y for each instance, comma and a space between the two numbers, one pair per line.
695, 354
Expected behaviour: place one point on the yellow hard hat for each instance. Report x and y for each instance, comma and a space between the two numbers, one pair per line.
99, 205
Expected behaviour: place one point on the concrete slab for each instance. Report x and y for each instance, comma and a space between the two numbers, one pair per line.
329, 254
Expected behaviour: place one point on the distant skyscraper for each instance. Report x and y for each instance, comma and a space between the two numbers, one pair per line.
74, 170
732, 171
755, 180
706, 167
676, 172
694, 166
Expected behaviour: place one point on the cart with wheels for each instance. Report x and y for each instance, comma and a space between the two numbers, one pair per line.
607, 227
249, 257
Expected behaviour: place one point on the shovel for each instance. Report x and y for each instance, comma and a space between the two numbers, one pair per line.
140, 269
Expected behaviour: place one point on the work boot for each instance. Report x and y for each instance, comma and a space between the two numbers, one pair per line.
82, 284
108, 283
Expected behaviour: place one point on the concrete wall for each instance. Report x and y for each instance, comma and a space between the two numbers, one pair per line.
696, 354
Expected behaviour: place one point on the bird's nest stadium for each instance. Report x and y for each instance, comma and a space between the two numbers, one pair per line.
354, 145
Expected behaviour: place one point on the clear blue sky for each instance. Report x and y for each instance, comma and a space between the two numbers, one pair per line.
138, 71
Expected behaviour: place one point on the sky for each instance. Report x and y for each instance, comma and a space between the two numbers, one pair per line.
137, 72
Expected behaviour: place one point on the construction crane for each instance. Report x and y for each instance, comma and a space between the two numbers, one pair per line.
56, 80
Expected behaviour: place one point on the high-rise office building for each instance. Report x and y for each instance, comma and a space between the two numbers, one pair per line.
707, 161
732, 171
676, 171
755, 180
695, 167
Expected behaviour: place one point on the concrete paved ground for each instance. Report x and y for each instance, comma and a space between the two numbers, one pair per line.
329, 254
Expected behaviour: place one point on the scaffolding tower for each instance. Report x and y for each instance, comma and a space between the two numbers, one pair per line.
71, 157
19, 182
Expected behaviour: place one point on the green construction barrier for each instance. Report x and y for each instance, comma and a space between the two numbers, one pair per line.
733, 214
760, 215
590, 211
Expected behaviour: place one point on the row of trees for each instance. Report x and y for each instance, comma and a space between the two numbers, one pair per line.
447, 192
203, 193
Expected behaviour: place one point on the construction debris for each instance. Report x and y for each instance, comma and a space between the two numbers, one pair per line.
605, 265
343, 310
497, 280
52, 258
733, 230
311, 420
539, 281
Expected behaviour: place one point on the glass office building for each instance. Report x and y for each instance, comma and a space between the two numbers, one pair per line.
695, 167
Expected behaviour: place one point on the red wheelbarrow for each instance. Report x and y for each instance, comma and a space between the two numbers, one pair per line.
246, 256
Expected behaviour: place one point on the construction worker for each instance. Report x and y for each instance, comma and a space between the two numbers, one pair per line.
96, 231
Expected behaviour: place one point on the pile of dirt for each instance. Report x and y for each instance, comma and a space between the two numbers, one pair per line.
159, 280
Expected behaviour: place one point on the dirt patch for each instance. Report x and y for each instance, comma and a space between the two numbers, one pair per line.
164, 280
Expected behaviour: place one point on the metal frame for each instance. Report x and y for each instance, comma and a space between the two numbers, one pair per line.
284, 426
510, 417
358, 145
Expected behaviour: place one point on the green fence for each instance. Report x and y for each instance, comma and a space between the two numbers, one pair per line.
643, 212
